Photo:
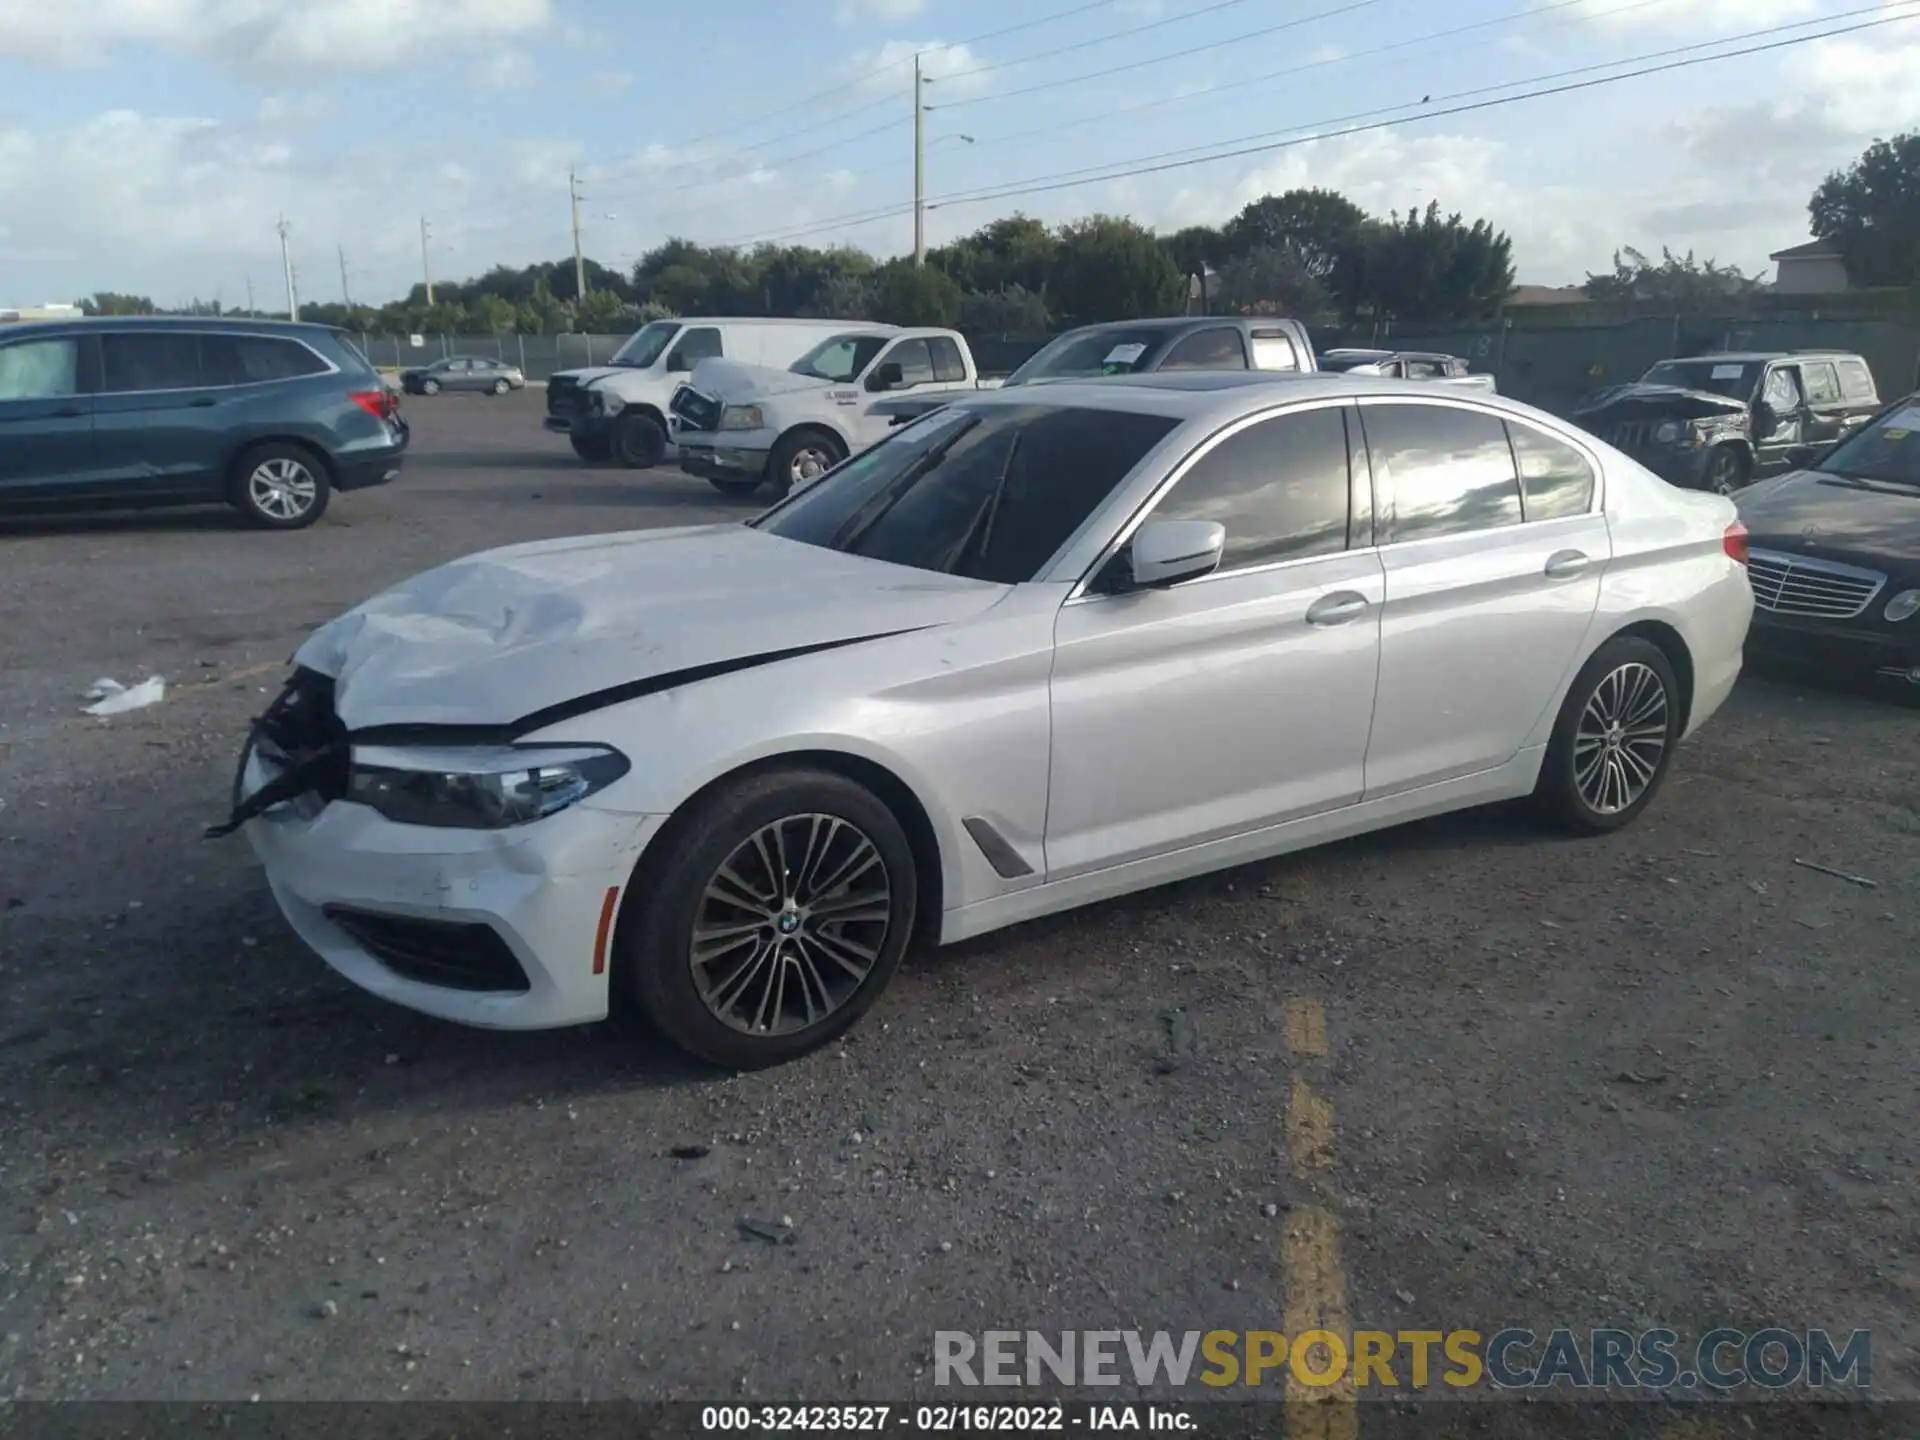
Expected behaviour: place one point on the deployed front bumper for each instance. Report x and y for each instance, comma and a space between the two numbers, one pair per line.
701, 454
383, 904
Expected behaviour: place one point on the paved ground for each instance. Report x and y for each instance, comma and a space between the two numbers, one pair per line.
1459, 1075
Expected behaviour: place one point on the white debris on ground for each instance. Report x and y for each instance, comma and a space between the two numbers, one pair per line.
110, 697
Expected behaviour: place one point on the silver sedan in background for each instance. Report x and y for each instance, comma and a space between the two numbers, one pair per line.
463, 372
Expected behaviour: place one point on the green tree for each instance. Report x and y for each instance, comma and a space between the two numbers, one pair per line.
1271, 281
1678, 283
1014, 250
1322, 229
909, 294
844, 297
1425, 266
1110, 268
106, 302
492, 314
1014, 310
1870, 212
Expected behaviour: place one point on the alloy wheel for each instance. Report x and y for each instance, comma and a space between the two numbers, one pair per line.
1621, 738
809, 464
790, 925
282, 489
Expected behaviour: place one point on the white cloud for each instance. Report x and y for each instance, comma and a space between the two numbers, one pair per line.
882, 12
324, 34
503, 70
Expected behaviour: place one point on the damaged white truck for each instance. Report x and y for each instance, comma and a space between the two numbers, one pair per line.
743, 427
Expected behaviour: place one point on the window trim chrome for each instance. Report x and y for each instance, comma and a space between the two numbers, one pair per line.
104, 334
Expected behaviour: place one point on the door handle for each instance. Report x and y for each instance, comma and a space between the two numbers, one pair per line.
1337, 608
1565, 564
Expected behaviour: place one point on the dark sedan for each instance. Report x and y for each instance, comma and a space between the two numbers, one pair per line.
1835, 553
463, 372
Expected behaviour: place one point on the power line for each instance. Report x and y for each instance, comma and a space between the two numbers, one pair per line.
1168, 102
1293, 24
1153, 164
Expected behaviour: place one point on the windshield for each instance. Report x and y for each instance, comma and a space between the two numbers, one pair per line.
1087, 354
990, 492
839, 358
1887, 450
1734, 379
646, 345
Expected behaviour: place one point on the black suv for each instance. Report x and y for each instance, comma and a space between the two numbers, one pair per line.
269, 417
1716, 422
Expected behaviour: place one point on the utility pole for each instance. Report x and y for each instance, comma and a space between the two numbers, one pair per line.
919, 168
293, 283
286, 265
249, 295
346, 296
579, 262
426, 266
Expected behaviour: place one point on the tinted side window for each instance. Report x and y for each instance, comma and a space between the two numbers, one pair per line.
1279, 487
1423, 369
1556, 477
699, 344
1856, 381
947, 364
916, 364
40, 370
1449, 471
1273, 350
1216, 349
1822, 387
251, 359
158, 361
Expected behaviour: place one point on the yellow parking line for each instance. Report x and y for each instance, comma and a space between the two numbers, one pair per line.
1316, 1283
1306, 1027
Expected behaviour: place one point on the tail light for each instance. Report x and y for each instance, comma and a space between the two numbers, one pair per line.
382, 404
1734, 542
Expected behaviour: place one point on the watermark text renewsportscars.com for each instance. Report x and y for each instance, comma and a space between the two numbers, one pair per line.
1513, 1359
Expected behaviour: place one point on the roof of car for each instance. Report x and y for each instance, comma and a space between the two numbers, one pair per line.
1754, 357
239, 325
1220, 395
1176, 322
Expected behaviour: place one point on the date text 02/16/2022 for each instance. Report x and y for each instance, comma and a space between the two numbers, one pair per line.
943, 1419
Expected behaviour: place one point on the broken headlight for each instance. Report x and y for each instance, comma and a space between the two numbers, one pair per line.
489, 787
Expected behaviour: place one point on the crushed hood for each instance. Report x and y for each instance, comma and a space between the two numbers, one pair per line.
506, 634
1664, 402
735, 382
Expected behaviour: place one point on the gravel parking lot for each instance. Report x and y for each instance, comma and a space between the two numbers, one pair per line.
1464, 1074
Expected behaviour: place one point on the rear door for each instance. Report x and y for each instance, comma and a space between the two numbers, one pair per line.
1826, 408
1781, 390
1862, 397
46, 416
156, 426
1490, 592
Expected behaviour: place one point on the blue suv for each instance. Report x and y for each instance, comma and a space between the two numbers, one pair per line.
266, 416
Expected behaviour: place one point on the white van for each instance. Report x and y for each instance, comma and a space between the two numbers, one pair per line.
619, 410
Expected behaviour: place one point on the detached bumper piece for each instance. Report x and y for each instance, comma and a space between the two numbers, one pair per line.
454, 955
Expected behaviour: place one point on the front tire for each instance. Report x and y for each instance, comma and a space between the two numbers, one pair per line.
1728, 470
429, 387
1614, 741
280, 487
639, 442
500, 387
801, 458
772, 917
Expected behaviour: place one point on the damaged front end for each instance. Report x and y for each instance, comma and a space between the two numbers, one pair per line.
1673, 432
297, 754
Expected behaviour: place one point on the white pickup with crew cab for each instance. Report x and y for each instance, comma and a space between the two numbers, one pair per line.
744, 426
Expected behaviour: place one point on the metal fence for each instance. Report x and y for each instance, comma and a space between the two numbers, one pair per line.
1548, 365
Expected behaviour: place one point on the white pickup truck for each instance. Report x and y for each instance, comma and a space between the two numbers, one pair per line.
744, 426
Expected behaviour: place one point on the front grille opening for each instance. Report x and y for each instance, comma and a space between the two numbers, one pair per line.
454, 955
1810, 588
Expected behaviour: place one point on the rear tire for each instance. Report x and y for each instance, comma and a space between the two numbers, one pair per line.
1614, 741
592, 449
798, 888
279, 486
802, 457
639, 442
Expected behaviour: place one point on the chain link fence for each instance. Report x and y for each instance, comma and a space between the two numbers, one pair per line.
1551, 366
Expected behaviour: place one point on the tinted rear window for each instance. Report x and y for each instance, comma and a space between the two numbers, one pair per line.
1006, 487
251, 359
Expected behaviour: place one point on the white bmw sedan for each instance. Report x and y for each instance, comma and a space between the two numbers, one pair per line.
1039, 648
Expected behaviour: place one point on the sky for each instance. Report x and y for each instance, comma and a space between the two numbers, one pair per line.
151, 146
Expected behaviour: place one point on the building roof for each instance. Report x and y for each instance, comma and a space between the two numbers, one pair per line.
1811, 250
1547, 295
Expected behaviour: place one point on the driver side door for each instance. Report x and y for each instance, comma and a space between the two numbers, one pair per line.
1241, 699
1781, 391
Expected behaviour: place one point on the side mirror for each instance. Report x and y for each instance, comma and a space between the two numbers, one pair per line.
886, 377
1765, 421
1165, 552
